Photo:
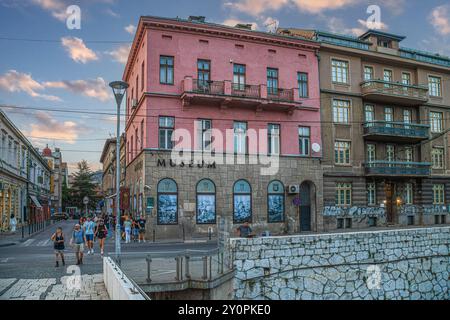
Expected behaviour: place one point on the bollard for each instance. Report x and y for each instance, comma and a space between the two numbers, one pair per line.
154, 235
23, 226
205, 268
149, 261
177, 277
210, 267
188, 276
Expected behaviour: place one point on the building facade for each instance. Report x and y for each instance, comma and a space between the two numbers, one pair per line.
244, 109
108, 161
385, 122
54, 160
24, 178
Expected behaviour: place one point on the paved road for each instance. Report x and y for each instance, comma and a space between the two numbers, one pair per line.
34, 258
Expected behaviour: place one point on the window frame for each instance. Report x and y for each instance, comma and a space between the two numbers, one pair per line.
201, 72
345, 187
282, 193
167, 67
269, 139
271, 90
250, 219
372, 187
438, 88
197, 193
441, 157
302, 139
341, 112
240, 76
438, 194
235, 137
338, 150
439, 121
303, 84
158, 193
335, 71
166, 128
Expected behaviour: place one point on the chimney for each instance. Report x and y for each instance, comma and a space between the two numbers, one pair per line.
246, 26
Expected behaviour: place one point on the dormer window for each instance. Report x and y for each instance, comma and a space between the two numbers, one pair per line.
385, 43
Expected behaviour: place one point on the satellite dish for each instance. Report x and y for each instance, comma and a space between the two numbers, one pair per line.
316, 147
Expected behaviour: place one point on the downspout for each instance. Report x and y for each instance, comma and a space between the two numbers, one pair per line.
316, 214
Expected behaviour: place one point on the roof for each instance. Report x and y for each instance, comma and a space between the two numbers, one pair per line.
382, 34
108, 142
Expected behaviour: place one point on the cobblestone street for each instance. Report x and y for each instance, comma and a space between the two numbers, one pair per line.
90, 287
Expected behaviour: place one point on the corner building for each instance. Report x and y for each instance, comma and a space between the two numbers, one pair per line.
197, 76
385, 113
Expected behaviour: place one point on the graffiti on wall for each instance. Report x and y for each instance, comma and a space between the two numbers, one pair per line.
426, 209
353, 211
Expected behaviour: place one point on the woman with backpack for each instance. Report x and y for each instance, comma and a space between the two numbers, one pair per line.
58, 245
101, 232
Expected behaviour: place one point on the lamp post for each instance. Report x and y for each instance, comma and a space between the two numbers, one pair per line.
118, 88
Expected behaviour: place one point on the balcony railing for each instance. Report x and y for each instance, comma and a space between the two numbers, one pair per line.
280, 94
245, 90
391, 129
397, 168
207, 86
396, 90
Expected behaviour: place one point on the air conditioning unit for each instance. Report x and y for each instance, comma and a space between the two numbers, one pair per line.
134, 103
293, 189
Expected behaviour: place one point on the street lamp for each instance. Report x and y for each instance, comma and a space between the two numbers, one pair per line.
118, 88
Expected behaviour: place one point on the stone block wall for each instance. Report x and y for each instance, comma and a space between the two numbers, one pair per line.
405, 264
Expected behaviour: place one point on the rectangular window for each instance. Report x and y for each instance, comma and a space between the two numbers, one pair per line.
273, 137
343, 195
410, 220
142, 134
369, 114
387, 76
438, 194
406, 78
239, 77
302, 79
390, 152
436, 122
342, 152
136, 136
409, 194
166, 70
341, 111
205, 137
371, 154
137, 88
388, 116
368, 73
166, 127
407, 119
409, 154
203, 72
142, 75
434, 86
240, 137
304, 138
272, 81
437, 157
371, 194
339, 71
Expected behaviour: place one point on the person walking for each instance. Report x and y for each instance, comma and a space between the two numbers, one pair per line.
101, 232
78, 240
141, 222
135, 230
58, 245
106, 220
89, 227
13, 223
127, 226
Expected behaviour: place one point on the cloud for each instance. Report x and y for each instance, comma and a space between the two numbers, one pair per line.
43, 125
120, 54
14, 81
131, 29
78, 50
93, 88
337, 25
56, 7
112, 13
440, 19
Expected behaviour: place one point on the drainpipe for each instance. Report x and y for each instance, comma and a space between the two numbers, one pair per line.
316, 213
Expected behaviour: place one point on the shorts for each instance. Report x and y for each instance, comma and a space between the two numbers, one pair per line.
141, 231
78, 247
89, 237
59, 251
101, 235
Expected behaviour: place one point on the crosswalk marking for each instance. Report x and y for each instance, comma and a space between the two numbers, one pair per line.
34, 243
28, 242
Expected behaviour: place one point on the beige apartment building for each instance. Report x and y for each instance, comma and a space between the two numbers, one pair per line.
385, 121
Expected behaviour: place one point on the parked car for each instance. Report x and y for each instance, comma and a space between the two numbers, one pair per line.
60, 216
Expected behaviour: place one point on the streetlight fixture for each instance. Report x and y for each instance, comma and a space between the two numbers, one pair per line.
118, 88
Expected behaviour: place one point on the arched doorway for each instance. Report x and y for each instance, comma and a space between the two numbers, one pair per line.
306, 205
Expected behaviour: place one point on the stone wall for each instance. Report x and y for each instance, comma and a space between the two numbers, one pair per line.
388, 264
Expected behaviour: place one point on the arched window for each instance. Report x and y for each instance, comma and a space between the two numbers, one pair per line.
167, 202
242, 201
275, 201
206, 202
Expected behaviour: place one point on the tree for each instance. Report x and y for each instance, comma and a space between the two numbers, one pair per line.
66, 195
82, 186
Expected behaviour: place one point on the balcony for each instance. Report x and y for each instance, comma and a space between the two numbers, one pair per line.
398, 168
394, 92
396, 131
231, 95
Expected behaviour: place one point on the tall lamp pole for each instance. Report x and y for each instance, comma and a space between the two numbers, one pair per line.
119, 88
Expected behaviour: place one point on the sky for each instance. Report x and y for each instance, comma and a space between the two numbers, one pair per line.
45, 66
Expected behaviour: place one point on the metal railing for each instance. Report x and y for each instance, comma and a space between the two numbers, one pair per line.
207, 86
394, 88
245, 90
382, 167
280, 94
397, 129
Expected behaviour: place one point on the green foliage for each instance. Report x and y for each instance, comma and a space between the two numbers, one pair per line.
82, 186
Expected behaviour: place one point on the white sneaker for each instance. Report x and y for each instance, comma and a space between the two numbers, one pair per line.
92, 251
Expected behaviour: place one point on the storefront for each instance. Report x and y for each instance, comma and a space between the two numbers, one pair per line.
12, 194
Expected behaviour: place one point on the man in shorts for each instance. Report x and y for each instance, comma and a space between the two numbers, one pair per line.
89, 227
141, 223
78, 240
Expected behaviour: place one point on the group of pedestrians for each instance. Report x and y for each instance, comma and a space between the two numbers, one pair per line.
89, 229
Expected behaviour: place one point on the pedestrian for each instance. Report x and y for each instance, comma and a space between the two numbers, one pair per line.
141, 222
13, 223
245, 231
135, 230
89, 227
101, 232
127, 226
106, 220
58, 245
78, 240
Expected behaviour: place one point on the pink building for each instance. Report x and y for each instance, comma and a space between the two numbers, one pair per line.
200, 87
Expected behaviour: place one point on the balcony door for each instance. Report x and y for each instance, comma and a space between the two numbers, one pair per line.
389, 205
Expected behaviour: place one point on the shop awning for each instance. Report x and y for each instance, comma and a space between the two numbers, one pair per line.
36, 202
